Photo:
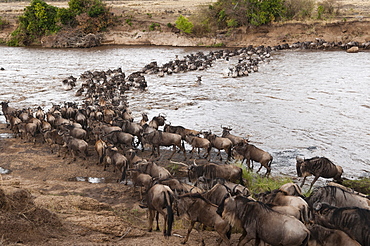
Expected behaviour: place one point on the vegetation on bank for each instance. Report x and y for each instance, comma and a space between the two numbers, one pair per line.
230, 14
40, 19
92, 16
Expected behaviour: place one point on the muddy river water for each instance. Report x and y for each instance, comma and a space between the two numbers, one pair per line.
310, 103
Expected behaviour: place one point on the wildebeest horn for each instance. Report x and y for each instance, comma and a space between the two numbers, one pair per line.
195, 164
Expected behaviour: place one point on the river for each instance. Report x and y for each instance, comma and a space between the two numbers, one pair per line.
309, 103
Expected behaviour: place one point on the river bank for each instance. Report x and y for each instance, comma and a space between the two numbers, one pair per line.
136, 18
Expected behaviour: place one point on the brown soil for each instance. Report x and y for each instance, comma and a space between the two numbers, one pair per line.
41, 202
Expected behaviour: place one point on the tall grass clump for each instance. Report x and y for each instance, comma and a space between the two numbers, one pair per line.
299, 9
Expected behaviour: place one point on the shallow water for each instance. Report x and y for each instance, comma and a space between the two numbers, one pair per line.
310, 103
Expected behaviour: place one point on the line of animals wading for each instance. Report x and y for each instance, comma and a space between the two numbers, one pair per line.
216, 195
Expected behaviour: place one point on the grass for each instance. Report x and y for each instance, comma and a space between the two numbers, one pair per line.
257, 183
360, 185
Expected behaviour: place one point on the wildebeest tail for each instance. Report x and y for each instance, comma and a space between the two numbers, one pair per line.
170, 216
269, 164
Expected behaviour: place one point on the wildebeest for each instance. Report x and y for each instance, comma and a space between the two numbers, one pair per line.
157, 121
212, 171
100, 148
234, 139
7, 111
134, 129
252, 153
195, 208
153, 170
352, 220
158, 138
180, 130
291, 189
159, 200
260, 222
220, 143
280, 198
75, 132
318, 167
218, 192
322, 236
337, 197
140, 179
74, 146
54, 138
119, 138
118, 160
198, 142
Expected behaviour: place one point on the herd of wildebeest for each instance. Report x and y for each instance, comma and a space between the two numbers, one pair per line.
215, 194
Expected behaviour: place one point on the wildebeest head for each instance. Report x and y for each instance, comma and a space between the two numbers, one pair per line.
300, 165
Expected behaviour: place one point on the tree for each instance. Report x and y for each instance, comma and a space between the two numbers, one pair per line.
183, 24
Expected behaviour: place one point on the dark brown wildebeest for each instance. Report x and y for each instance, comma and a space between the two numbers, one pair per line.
318, 167
322, 236
234, 139
352, 220
337, 197
159, 199
260, 222
252, 153
118, 160
280, 198
158, 138
153, 170
220, 143
212, 171
195, 208
198, 142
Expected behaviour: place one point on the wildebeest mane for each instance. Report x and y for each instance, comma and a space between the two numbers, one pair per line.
197, 195
352, 220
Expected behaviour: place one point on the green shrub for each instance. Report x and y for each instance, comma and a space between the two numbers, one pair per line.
154, 26
3, 22
40, 19
299, 9
184, 25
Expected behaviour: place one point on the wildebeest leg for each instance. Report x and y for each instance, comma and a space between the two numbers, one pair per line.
314, 180
173, 152
304, 179
223, 230
242, 238
150, 219
189, 230
157, 218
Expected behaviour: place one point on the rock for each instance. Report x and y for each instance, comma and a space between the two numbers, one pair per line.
72, 39
352, 49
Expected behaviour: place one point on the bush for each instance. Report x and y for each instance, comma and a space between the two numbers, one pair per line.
40, 19
184, 25
299, 9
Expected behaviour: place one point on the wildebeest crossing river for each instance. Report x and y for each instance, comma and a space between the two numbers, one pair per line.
310, 103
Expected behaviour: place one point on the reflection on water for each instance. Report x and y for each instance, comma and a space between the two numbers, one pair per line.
301, 103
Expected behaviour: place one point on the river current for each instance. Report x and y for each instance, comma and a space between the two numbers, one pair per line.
309, 103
